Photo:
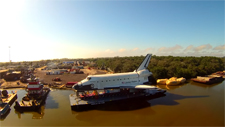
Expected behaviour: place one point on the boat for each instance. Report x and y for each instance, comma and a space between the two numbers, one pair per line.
88, 100
219, 73
210, 79
175, 81
181, 80
6, 100
35, 97
171, 81
162, 81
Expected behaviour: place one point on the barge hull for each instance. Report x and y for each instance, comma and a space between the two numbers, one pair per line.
32, 105
78, 104
207, 82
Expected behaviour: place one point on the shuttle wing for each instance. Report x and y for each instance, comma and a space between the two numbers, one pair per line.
130, 86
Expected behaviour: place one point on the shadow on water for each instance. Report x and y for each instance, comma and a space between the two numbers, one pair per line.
124, 106
51, 103
131, 108
115, 112
205, 85
170, 99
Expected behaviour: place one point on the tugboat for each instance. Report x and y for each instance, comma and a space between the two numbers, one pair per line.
35, 97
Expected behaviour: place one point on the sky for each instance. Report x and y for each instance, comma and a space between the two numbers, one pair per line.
50, 29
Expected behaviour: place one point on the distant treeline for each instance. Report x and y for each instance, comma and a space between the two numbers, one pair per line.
166, 66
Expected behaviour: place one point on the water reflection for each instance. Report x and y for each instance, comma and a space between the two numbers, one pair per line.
168, 87
170, 99
35, 115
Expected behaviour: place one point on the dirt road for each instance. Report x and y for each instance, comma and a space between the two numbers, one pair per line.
47, 79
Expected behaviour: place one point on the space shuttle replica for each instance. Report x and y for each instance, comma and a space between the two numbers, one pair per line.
101, 90
136, 79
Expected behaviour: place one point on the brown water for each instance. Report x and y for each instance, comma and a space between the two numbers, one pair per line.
191, 104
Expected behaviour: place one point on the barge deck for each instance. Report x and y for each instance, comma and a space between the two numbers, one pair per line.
81, 103
6, 102
210, 79
32, 104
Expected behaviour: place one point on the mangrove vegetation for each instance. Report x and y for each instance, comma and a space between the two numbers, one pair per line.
165, 66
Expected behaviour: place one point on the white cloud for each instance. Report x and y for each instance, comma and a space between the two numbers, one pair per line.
149, 49
220, 47
135, 49
122, 50
109, 51
190, 47
203, 47
170, 49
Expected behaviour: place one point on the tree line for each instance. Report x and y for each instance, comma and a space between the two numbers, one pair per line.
166, 66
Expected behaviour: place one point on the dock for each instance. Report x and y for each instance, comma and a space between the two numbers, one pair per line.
10, 99
6, 102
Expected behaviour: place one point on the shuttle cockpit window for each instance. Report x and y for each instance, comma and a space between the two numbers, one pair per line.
88, 78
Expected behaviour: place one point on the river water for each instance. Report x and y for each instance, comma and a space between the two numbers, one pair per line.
190, 104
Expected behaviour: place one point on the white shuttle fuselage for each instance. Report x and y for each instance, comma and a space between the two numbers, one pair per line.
118, 80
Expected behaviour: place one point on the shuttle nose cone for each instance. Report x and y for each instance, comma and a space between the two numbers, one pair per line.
76, 87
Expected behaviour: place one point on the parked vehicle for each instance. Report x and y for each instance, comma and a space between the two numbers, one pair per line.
56, 79
70, 84
24, 78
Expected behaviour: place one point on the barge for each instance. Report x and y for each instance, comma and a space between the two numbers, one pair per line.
81, 101
6, 100
210, 79
35, 97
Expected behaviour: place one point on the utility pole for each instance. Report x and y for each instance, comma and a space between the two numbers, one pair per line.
9, 55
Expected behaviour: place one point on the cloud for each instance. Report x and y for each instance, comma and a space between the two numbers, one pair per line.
122, 50
190, 47
135, 49
149, 49
220, 47
203, 47
169, 49
162, 49
176, 50
109, 51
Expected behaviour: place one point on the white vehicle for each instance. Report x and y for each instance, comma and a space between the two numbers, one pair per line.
135, 79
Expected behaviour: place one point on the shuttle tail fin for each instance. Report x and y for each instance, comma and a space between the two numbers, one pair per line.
144, 63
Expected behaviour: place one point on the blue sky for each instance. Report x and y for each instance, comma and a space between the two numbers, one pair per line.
48, 29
